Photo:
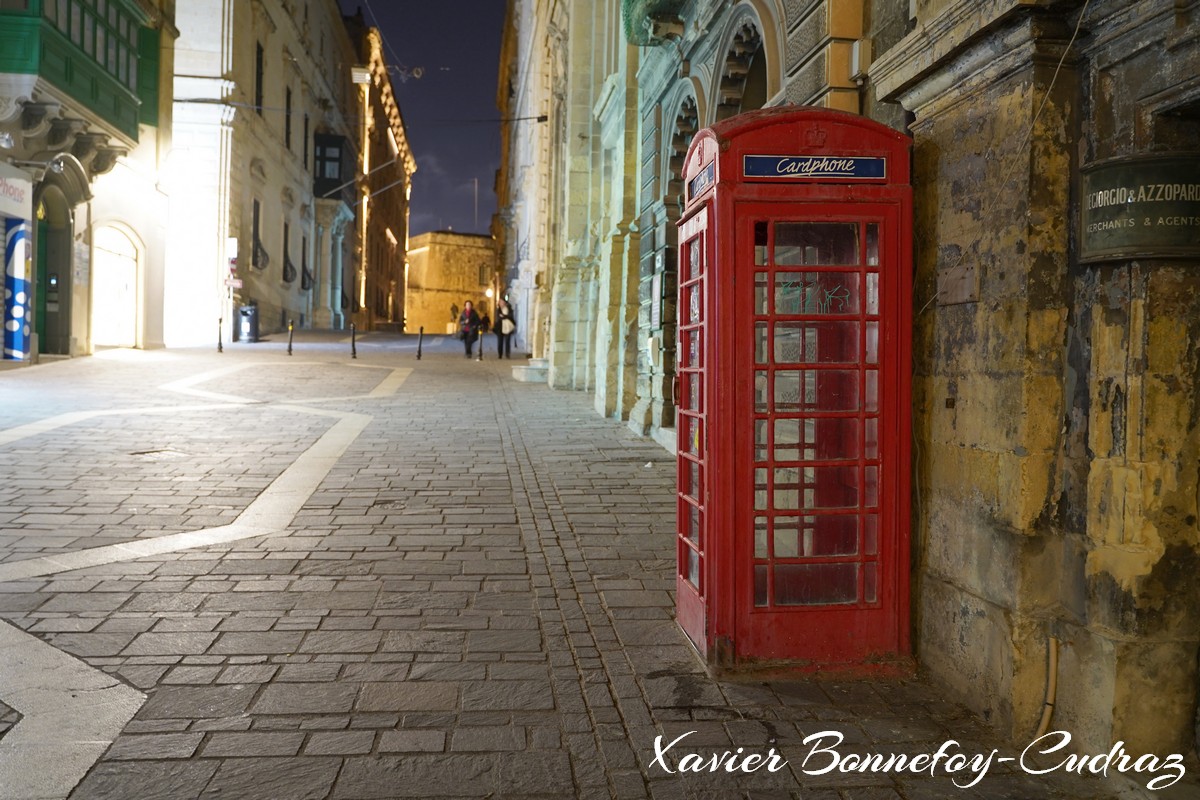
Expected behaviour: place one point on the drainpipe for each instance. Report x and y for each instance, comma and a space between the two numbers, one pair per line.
1051, 686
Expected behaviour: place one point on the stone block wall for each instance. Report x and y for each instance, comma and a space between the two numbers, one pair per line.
445, 270
1055, 475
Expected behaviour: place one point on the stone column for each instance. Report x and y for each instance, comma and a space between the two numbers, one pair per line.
565, 349
322, 256
321, 264
335, 284
627, 264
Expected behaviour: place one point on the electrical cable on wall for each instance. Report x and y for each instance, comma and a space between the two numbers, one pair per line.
991, 200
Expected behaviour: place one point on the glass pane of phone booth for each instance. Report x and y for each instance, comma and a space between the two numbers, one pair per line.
692, 447
816, 460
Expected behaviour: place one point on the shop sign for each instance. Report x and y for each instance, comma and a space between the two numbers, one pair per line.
16, 193
834, 167
1144, 207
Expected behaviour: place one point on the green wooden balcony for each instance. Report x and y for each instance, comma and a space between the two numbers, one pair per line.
97, 54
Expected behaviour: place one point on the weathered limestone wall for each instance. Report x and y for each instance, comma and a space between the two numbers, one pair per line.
1134, 435
1054, 403
990, 384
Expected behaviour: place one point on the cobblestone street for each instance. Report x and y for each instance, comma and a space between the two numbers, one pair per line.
250, 575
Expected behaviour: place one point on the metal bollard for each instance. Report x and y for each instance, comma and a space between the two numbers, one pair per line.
220, 324
420, 340
480, 356
353, 344
290, 325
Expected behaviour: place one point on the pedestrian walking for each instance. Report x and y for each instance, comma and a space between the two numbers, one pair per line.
468, 326
506, 326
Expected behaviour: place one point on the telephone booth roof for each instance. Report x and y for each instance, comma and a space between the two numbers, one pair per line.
791, 144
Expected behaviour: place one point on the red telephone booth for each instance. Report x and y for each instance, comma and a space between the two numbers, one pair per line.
795, 284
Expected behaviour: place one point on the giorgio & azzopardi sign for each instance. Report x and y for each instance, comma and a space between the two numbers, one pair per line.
1143, 207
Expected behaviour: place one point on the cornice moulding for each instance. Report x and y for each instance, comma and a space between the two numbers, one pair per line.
915, 57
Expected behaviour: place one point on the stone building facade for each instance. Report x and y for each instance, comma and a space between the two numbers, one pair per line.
1055, 432
385, 187
85, 130
532, 80
1057, 473
445, 270
257, 85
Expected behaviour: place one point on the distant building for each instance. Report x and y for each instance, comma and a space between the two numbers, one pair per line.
445, 270
386, 168
85, 120
257, 85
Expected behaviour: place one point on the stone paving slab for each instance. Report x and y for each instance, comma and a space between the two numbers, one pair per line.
8, 718
476, 601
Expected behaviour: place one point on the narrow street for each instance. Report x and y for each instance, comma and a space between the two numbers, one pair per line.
249, 575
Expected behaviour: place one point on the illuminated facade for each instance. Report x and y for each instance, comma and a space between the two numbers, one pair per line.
384, 189
445, 270
258, 84
84, 134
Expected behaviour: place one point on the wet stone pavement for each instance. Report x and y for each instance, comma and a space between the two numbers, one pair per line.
313, 577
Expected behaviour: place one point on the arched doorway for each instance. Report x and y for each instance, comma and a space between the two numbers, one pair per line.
53, 284
115, 288
743, 85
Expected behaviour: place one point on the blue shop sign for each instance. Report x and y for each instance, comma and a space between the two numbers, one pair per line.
848, 168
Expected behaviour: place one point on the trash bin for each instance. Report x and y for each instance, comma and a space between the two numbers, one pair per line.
248, 323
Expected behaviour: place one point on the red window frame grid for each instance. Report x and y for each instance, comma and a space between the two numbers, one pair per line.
861, 511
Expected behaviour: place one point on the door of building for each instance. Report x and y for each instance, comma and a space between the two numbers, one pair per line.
115, 289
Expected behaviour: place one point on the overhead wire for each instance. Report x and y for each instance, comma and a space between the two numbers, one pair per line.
387, 44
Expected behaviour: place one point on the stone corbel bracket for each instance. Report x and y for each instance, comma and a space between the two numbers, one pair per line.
106, 158
63, 131
258, 170
87, 146
36, 118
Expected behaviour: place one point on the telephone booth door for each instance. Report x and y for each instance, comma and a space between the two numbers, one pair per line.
692, 356
793, 393
819, 348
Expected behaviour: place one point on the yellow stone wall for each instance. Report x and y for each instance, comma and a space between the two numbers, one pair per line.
1055, 403
444, 270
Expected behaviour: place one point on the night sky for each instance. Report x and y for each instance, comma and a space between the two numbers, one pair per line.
450, 111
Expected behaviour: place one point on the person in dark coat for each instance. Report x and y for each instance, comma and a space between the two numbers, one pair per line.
505, 327
468, 326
